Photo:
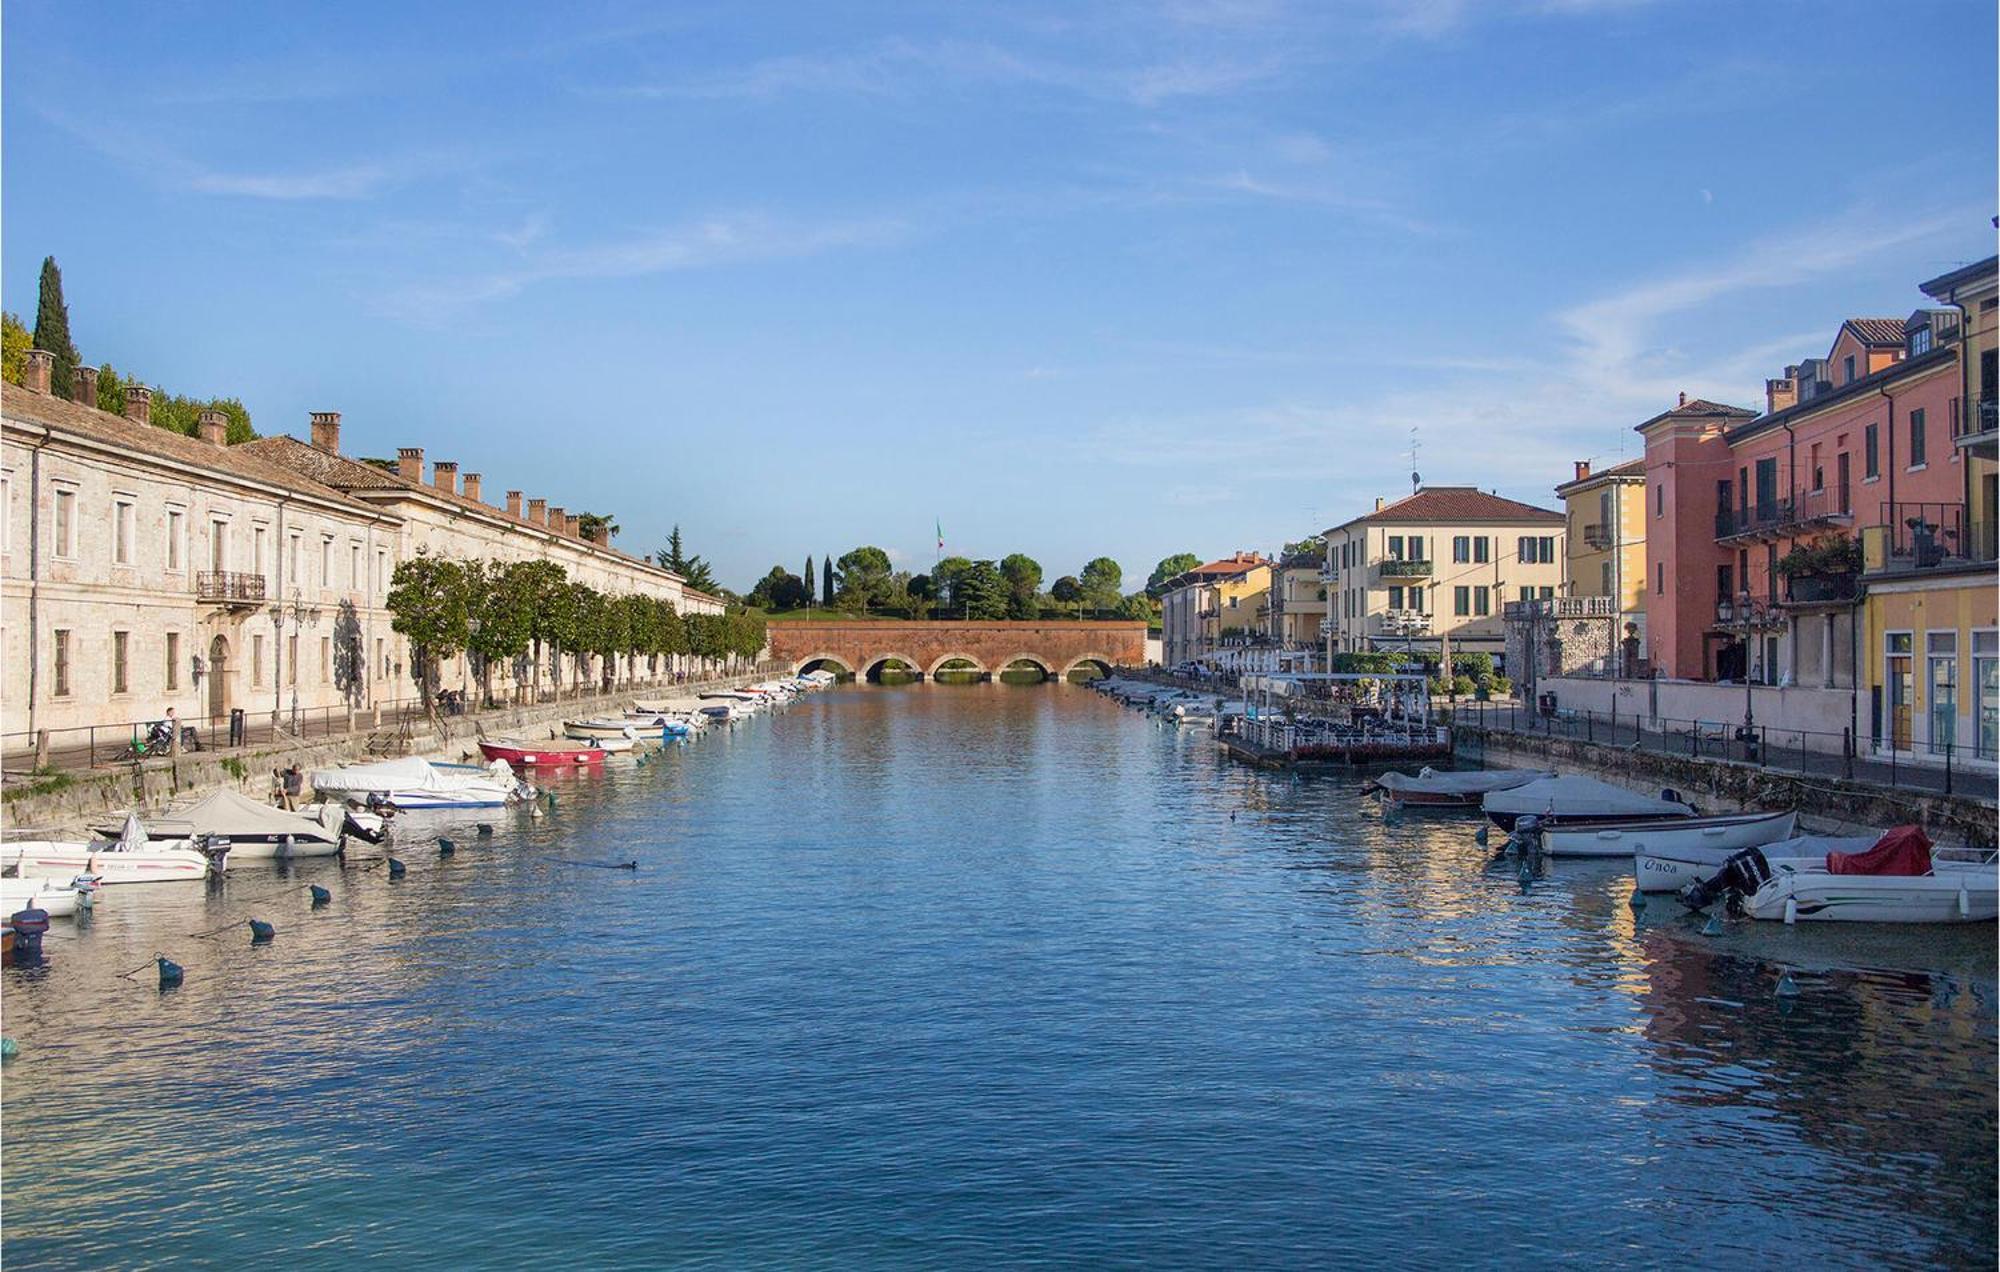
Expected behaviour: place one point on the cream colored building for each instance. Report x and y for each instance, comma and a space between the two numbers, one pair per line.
1213, 605
142, 570
1297, 605
1438, 564
1605, 525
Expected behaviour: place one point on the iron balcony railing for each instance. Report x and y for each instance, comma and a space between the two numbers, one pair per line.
1562, 607
1819, 589
227, 587
1927, 536
1399, 569
1597, 536
1792, 513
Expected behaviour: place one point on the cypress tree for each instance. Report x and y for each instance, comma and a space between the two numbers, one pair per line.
812, 583
52, 328
826, 580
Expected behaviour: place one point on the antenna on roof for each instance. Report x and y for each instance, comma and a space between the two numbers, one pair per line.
1416, 478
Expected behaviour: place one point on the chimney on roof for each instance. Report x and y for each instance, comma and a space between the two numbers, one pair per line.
556, 520
1378, 503
84, 380
410, 464
326, 431
138, 404
573, 526
213, 427
1779, 394
444, 475
538, 512
1684, 397
599, 534
37, 371
472, 487
514, 503
1582, 469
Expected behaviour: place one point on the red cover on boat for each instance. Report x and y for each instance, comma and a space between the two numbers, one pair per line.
1902, 850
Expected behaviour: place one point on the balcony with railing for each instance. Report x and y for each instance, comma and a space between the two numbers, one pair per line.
1806, 590
1794, 514
1394, 568
1329, 574
1981, 433
230, 588
1561, 607
1597, 536
1915, 538
1403, 623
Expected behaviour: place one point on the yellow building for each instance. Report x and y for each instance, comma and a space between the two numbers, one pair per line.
1606, 516
1297, 605
1931, 642
1213, 606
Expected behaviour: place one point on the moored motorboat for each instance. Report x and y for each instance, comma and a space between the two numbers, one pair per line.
59, 897
249, 831
524, 753
130, 858
1898, 879
1683, 837
1660, 869
1432, 788
602, 727
1570, 797
412, 784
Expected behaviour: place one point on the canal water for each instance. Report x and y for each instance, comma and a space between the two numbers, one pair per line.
939, 975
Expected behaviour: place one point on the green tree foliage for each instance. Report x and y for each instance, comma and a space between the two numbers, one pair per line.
826, 580
1102, 583
500, 615
173, 411
809, 580
52, 327
693, 569
1306, 550
1024, 585
1067, 591
864, 579
779, 590
1141, 607
429, 601
14, 345
589, 523
1178, 563
979, 592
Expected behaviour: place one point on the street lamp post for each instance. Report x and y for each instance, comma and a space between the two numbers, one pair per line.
301, 614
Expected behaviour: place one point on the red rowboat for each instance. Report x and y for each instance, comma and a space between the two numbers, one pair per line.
541, 754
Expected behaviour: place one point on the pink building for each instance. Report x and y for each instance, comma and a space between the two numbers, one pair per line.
1751, 542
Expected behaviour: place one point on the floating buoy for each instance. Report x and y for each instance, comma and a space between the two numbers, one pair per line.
1791, 909
1787, 987
1713, 927
396, 868
9, 1049
261, 932
320, 896
550, 797
486, 830
1479, 836
1638, 900
171, 973
446, 847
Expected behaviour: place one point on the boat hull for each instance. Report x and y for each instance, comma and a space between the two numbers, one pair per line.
1684, 838
67, 860
1802, 890
538, 757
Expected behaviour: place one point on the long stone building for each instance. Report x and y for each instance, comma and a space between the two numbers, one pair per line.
143, 569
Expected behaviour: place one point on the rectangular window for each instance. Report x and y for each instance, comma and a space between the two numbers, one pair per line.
1548, 592
1479, 548
1417, 600
1524, 550
62, 662
257, 562
121, 532
1395, 598
257, 661
1659, 578
1482, 601
1767, 489
1725, 582
354, 578
1871, 458
382, 657
1847, 369
173, 660
1395, 547
1843, 465
1957, 419
1942, 647
381, 571
121, 645
218, 546
1417, 548
1771, 572
65, 523
291, 579
176, 532
1548, 547
1897, 688
1917, 439
1461, 549
1986, 683
1527, 593
1660, 499
1604, 577
1461, 601
326, 562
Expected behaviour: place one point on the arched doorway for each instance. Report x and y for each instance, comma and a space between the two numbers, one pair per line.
218, 677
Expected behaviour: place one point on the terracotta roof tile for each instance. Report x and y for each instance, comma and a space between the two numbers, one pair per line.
1456, 505
1877, 331
1695, 408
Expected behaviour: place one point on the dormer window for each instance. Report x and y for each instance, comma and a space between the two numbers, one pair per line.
1847, 369
1920, 341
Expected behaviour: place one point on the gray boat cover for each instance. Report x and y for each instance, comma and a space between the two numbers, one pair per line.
227, 814
1471, 782
1573, 796
412, 774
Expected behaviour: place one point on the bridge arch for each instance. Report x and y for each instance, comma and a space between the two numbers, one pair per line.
1098, 661
872, 664
1040, 663
839, 663
939, 665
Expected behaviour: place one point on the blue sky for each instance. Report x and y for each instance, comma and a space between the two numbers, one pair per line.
1119, 278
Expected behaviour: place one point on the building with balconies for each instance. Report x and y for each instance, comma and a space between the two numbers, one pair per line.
1606, 515
1296, 604
1436, 568
1202, 606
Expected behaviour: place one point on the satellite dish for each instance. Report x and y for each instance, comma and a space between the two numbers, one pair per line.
1416, 479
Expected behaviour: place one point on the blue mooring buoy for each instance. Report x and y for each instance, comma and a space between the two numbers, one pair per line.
396, 868
8, 1049
171, 973
320, 896
261, 932
446, 847
1713, 927
1479, 836
486, 830
1787, 987
550, 798
1638, 901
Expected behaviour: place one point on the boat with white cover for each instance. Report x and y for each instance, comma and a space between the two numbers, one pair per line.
1896, 880
1662, 869
414, 783
249, 830
58, 898
1691, 837
1571, 797
1433, 788
130, 858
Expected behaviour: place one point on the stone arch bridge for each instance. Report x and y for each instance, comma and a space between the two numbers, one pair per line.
858, 648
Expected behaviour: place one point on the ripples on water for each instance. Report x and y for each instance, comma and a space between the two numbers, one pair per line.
953, 975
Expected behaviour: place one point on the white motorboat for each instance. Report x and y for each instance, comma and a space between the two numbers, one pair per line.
57, 897
1431, 788
1570, 797
1687, 838
1897, 879
1671, 869
130, 858
600, 728
251, 831
413, 783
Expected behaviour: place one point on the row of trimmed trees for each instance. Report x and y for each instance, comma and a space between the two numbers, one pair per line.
863, 581
530, 615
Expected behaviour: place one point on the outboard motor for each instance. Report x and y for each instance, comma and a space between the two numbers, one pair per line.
29, 925
1527, 836
351, 826
1742, 874
216, 849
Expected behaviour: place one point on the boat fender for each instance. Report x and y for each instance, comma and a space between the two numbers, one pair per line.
1480, 836
446, 847
171, 973
1637, 900
1713, 927
1964, 903
320, 896
550, 799
8, 1049
1787, 987
397, 869
1791, 910
261, 932
486, 830
1671, 795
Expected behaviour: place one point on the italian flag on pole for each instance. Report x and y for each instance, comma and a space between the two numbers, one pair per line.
940, 535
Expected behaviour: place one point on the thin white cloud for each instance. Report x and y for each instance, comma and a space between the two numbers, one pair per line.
333, 183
